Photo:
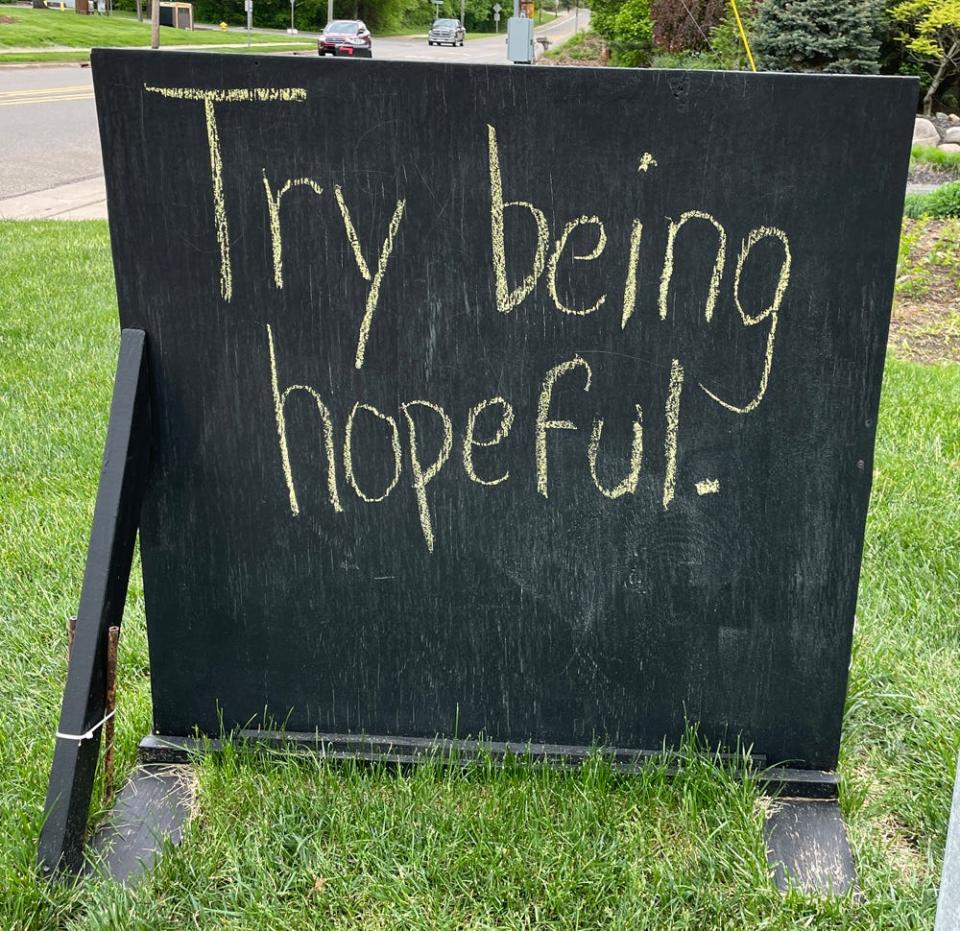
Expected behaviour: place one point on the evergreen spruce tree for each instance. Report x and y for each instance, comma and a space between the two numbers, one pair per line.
818, 35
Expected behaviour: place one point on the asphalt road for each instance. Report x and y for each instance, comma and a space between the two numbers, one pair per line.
50, 161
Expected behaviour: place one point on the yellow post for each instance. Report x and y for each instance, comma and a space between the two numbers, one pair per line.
743, 35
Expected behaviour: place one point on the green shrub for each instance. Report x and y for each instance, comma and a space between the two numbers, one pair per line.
931, 155
837, 36
627, 28
939, 204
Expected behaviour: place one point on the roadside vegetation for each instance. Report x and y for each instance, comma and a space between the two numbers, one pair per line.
24, 28
279, 842
907, 37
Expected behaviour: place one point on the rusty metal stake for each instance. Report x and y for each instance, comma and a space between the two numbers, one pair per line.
113, 637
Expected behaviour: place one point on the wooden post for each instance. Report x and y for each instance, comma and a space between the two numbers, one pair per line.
109, 556
155, 24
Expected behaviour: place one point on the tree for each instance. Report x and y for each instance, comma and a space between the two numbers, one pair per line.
819, 35
934, 38
684, 25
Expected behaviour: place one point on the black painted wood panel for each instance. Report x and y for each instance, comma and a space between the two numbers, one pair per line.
623, 484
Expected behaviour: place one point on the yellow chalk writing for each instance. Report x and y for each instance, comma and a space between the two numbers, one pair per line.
630, 288
772, 311
709, 486
469, 440
351, 233
558, 251
543, 413
673, 426
713, 288
422, 477
209, 98
279, 400
375, 280
273, 210
647, 162
629, 484
348, 451
508, 299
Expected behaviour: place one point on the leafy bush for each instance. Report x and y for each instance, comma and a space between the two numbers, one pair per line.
942, 203
819, 35
627, 28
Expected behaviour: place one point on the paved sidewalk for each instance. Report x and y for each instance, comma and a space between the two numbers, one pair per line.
79, 200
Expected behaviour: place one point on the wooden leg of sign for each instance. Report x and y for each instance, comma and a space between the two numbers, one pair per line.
109, 556
807, 846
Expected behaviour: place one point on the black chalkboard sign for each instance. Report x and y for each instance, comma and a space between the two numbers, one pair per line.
532, 403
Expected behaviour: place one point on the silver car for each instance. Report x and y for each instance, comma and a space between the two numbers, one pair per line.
446, 32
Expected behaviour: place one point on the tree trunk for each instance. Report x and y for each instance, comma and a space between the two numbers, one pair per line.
139, 11
155, 24
945, 63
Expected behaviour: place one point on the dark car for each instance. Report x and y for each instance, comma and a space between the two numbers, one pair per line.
347, 37
446, 32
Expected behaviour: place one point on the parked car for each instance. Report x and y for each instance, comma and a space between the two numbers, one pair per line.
347, 37
446, 32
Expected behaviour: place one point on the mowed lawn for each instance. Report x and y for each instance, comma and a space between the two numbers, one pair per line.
284, 843
48, 29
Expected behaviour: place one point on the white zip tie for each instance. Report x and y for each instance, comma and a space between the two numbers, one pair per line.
87, 735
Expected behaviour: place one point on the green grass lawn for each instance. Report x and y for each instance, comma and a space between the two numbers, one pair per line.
41, 29
286, 843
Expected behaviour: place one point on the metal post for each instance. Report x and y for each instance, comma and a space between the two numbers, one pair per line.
110, 707
462, 13
329, 11
249, 6
576, 19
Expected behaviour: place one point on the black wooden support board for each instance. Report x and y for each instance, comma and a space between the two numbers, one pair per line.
620, 487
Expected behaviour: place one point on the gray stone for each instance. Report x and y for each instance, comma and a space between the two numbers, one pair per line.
951, 147
948, 907
953, 118
924, 132
952, 134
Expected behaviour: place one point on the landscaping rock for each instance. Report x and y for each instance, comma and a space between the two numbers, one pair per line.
953, 147
952, 134
924, 132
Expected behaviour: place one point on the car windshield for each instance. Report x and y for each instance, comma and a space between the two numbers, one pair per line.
342, 27
445, 24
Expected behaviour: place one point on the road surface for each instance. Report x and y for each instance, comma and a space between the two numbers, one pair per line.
50, 165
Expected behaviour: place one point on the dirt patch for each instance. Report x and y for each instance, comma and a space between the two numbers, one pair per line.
7, 21
925, 326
